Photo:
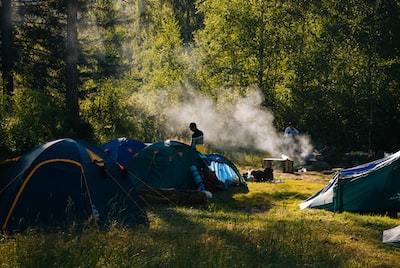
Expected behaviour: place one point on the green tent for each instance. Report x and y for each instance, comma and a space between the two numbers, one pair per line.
165, 165
372, 187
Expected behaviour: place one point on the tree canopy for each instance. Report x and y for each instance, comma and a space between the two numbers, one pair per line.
80, 68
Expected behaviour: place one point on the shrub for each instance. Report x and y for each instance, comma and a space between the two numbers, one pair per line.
35, 119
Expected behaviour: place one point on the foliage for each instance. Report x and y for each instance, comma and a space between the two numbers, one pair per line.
326, 66
162, 62
35, 120
145, 115
331, 68
40, 38
241, 43
188, 17
106, 34
107, 110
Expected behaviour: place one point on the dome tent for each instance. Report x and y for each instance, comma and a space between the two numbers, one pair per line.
66, 180
122, 150
165, 165
372, 187
225, 170
171, 172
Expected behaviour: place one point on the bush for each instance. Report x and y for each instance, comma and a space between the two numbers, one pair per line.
35, 119
106, 110
123, 109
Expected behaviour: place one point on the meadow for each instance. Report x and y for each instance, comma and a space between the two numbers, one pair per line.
259, 228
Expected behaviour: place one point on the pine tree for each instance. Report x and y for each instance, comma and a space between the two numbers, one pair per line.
7, 46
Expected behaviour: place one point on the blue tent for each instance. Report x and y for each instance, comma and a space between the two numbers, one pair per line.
123, 150
225, 170
66, 181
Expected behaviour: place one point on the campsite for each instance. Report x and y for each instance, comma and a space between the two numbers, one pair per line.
261, 228
199, 133
247, 224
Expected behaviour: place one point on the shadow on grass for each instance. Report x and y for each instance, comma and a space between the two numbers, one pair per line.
294, 243
215, 236
290, 242
200, 238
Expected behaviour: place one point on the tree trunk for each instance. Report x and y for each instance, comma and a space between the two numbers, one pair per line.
72, 100
7, 50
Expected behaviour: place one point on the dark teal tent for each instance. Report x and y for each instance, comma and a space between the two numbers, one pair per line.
372, 187
66, 181
165, 165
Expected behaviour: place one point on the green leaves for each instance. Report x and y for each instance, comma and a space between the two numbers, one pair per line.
319, 64
330, 66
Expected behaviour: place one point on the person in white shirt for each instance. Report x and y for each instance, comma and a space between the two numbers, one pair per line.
290, 131
290, 141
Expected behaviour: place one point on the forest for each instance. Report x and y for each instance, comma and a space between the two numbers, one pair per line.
97, 98
96, 69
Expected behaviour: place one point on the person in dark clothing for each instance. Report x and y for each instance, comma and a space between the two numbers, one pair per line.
197, 138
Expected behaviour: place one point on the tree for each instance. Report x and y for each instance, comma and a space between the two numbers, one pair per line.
106, 33
7, 46
41, 44
72, 76
188, 18
241, 44
160, 59
327, 65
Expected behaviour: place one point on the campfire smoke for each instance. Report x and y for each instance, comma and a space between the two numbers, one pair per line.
241, 122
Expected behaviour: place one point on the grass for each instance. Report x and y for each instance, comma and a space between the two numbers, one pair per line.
259, 228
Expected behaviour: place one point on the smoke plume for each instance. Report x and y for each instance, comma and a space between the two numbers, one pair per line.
236, 123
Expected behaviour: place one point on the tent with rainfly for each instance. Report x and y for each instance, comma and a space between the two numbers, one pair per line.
173, 169
392, 236
66, 181
165, 165
225, 170
372, 187
122, 150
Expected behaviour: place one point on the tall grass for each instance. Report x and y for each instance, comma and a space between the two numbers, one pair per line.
259, 228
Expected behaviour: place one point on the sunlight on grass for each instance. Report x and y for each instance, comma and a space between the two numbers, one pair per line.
262, 227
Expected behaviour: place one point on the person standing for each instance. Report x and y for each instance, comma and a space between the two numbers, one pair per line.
290, 141
290, 131
197, 138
